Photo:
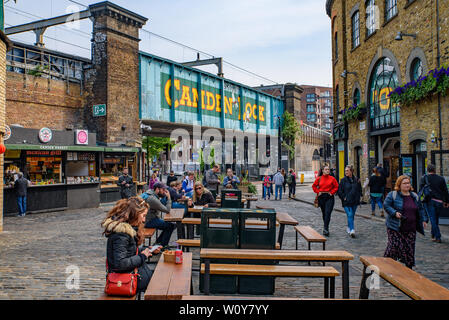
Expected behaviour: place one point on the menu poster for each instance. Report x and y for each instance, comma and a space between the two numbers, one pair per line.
69, 156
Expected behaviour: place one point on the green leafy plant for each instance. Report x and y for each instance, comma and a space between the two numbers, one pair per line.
354, 112
38, 70
290, 131
252, 188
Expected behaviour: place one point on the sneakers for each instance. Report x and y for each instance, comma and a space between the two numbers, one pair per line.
382, 214
352, 234
373, 213
348, 230
326, 232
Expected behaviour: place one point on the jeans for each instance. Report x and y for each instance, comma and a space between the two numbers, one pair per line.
278, 189
22, 203
166, 227
350, 213
189, 194
266, 192
375, 200
326, 203
433, 212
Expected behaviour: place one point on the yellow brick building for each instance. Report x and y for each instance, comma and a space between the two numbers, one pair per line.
369, 61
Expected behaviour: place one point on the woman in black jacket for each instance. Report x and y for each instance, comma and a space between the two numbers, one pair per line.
350, 191
201, 197
123, 226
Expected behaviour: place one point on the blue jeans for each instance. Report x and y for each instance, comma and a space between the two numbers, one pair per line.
166, 227
22, 203
350, 213
189, 194
375, 200
278, 188
266, 192
432, 210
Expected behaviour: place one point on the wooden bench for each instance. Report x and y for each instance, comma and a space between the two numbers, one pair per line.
403, 278
328, 273
148, 233
171, 281
286, 255
310, 235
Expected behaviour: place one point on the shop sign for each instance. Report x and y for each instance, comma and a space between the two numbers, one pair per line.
43, 153
99, 110
45, 135
7, 133
372, 154
82, 137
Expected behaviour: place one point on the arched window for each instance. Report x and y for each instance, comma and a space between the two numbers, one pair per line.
383, 113
370, 17
416, 69
356, 97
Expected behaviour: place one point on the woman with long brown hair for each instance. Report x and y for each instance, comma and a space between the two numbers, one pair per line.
405, 217
123, 226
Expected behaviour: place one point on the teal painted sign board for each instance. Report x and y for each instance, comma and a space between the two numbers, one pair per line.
198, 97
99, 110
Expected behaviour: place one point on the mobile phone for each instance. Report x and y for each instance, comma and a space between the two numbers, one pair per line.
154, 248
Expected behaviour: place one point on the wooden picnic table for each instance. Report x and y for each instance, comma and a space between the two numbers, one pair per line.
284, 219
176, 215
171, 281
286, 255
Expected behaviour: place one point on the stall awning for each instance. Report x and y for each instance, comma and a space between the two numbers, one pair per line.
49, 147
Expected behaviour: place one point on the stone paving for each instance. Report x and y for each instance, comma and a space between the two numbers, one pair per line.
38, 251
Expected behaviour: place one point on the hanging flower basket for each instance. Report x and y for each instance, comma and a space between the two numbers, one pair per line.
354, 112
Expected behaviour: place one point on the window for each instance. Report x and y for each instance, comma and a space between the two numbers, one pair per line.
391, 9
355, 21
416, 70
337, 98
356, 98
310, 108
370, 17
311, 117
310, 97
336, 46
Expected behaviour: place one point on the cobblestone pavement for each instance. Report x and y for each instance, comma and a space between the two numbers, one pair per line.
36, 252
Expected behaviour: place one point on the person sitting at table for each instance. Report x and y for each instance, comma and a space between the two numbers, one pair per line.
187, 184
201, 197
176, 194
123, 227
231, 179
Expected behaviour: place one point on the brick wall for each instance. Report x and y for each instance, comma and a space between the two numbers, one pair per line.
418, 17
2, 120
34, 102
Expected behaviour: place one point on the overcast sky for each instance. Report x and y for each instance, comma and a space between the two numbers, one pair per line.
281, 40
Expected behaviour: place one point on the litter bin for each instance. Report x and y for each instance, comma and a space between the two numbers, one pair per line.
257, 231
223, 236
231, 198
302, 178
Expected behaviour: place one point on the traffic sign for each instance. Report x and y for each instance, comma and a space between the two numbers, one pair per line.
99, 110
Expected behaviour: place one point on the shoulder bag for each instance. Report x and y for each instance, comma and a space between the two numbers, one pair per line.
121, 284
315, 203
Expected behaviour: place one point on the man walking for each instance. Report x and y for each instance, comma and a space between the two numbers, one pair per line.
125, 182
21, 186
439, 197
278, 180
153, 219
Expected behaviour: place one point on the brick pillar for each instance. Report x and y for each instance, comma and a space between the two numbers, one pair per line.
114, 77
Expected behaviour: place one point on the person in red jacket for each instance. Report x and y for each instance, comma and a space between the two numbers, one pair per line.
326, 186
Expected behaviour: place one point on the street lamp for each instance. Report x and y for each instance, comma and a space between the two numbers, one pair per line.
345, 73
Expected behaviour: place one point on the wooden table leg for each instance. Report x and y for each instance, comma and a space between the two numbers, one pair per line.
345, 279
207, 276
281, 234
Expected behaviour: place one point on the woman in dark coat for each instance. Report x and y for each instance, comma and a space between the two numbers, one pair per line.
405, 217
349, 192
202, 197
123, 227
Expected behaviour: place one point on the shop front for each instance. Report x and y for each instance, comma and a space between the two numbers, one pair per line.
62, 169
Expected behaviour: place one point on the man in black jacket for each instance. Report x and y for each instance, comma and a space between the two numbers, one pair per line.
439, 197
21, 186
125, 182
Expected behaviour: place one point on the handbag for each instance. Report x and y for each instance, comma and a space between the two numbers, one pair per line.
315, 203
121, 284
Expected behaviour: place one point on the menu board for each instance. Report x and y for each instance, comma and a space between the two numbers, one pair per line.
407, 166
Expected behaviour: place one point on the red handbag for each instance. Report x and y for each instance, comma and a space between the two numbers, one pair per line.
121, 284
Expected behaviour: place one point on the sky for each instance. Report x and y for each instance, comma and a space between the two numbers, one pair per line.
280, 40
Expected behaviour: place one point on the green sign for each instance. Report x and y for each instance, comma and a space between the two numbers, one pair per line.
99, 110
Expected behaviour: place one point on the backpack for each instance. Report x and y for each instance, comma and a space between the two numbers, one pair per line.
289, 178
425, 192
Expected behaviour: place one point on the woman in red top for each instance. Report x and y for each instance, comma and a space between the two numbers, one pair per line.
326, 186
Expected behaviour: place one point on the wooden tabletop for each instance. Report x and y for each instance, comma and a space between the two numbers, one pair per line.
285, 218
281, 255
408, 281
175, 215
170, 281
196, 209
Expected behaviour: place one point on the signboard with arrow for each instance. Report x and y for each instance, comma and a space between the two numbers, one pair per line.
99, 110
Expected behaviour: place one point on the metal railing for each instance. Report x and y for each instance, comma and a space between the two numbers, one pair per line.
21, 59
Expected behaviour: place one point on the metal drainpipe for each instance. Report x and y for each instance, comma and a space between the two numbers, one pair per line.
440, 138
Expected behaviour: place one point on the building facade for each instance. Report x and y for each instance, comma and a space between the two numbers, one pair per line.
377, 46
316, 107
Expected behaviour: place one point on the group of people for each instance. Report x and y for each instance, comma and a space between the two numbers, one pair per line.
280, 179
406, 211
